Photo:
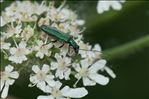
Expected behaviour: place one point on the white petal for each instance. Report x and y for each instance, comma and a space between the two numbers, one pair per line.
58, 57
41, 85
97, 66
110, 72
67, 73
67, 60
2, 85
14, 74
80, 22
50, 81
76, 67
58, 84
65, 89
88, 82
10, 81
84, 63
100, 79
40, 42
22, 44
33, 79
5, 46
45, 68
54, 65
48, 89
40, 55
9, 68
64, 98
76, 93
45, 97
50, 45
5, 91
13, 50
116, 5
59, 73
35, 68
97, 47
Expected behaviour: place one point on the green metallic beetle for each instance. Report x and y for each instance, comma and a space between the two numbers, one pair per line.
59, 35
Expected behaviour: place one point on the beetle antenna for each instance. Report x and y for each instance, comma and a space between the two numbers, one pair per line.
89, 50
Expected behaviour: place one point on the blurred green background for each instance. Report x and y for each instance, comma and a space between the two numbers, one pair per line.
110, 29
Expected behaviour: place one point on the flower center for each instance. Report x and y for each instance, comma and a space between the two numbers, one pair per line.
41, 75
62, 64
19, 52
56, 93
4, 76
84, 72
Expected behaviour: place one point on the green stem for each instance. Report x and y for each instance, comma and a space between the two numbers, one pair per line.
126, 49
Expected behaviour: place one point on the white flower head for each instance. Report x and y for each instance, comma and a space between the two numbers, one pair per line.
104, 5
42, 77
89, 73
7, 78
43, 49
64, 93
20, 17
61, 66
18, 53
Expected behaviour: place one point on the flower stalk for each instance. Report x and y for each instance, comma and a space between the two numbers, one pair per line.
126, 49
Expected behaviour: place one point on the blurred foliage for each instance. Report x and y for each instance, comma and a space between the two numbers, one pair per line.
111, 29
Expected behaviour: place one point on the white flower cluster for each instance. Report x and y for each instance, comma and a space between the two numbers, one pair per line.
105, 5
24, 45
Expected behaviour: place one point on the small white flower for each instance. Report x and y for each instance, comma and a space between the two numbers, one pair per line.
42, 77
89, 73
7, 78
4, 45
43, 49
11, 30
61, 66
87, 52
64, 93
18, 54
27, 32
86, 47
104, 5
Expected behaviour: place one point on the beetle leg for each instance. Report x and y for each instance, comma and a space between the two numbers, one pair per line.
62, 45
70, 51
